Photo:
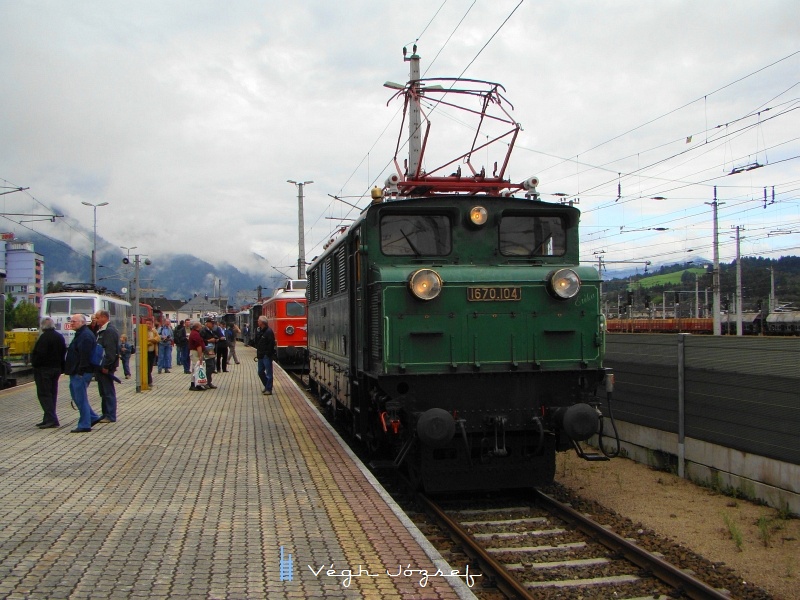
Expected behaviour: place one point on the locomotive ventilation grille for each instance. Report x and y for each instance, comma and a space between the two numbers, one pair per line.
375, 328
341, 273
328, 280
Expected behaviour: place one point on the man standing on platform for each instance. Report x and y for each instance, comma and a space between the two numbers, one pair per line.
47, 360
108, 338
165, 346
264, 341
181, 339
221, 349
210, 339
80, 370
230, 334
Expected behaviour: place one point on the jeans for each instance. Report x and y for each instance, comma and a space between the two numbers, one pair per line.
182, 357
164, 356
265, 372
108, 395
210, 364
126, 364
77, 388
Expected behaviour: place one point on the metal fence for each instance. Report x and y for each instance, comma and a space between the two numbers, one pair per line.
737, 392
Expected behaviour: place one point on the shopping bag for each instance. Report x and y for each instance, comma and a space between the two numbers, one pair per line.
200, 374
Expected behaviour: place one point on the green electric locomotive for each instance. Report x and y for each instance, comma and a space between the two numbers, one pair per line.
452, 328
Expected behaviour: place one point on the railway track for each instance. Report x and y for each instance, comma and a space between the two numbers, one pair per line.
544, 549
534, 546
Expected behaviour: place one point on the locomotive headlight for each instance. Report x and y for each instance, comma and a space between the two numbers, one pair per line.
478, 215
564, 283
289, 330
425, 284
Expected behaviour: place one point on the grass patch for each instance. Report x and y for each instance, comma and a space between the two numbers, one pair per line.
734, 531
765, 530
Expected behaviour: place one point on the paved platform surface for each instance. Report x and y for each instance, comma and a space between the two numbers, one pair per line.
218, 494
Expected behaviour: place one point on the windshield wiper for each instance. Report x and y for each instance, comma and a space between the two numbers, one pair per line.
411, 244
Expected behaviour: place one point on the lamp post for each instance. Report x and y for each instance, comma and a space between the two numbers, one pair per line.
94, 245
140, 340
301, 257
128, 273
129, 250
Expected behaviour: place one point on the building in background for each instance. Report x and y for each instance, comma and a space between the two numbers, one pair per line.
197, 308
24, 270
163, 307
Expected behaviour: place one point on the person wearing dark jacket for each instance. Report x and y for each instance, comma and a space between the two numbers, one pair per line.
230, 334
264, 342
80, 370
181, 339
47, 360
108, 338
221, 349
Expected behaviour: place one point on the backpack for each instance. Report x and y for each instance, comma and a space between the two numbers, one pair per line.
97, 356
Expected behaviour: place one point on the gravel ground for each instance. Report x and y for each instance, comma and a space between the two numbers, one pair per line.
756, 542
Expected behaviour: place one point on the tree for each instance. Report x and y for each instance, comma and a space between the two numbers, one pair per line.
52, 287
10, 312
688, 278
26, 315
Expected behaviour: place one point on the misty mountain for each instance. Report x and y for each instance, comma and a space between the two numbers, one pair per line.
177, 276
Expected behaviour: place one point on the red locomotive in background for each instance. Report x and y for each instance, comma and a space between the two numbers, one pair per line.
287, 315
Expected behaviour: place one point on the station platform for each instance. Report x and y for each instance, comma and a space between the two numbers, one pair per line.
224, 493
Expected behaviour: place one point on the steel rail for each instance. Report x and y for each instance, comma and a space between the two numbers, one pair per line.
669, 574
505, 581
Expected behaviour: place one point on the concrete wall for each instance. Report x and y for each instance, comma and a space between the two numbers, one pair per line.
766, 480
720, 410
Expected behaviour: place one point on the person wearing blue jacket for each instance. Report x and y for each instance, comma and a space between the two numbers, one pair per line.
80, 370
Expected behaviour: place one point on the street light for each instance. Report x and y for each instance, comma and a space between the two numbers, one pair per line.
301, 257
141, 341
128, 272
94, 245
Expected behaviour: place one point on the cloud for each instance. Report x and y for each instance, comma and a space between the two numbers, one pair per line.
189, 117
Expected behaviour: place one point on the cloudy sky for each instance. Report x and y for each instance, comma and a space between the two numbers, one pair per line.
188, 117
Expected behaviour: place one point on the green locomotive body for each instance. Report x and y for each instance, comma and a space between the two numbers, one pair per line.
458, 334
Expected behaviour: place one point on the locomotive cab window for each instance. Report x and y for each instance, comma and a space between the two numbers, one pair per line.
83, 305
532, 236
295, 309
416, 235
57, 306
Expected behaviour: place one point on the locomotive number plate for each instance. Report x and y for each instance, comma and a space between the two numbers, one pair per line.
494, 294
